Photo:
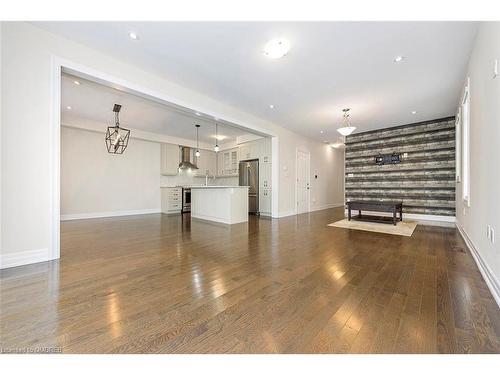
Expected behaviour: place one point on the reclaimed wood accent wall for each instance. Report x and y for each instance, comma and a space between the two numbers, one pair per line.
425, 178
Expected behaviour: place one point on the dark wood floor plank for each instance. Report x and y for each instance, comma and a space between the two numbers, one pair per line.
164, 284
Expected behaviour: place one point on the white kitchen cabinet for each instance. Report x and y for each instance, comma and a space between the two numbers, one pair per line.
250, 150
171, 200
169, 162
259, 149
206, 163
265, 150
245, 151
228, 162
220, 164
235, 161
265, 202
265, 173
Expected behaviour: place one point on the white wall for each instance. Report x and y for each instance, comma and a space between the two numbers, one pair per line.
94, 182
484, 153
326, 162
27, 53
1, 125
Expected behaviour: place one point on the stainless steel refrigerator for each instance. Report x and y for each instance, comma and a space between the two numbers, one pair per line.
249, 176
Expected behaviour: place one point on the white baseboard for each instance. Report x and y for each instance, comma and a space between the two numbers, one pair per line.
95, 215
327, 206
286, 213
437, 220
318, 208
488, 276
20, 258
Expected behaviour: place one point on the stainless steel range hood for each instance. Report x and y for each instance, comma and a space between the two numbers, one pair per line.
186, 159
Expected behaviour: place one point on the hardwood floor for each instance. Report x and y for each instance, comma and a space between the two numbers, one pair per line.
160, 284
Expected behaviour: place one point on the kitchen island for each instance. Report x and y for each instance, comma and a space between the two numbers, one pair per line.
222, 204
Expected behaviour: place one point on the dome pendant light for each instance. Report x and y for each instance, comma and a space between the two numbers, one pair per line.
117, 137
197, 152
216, 147
347, 129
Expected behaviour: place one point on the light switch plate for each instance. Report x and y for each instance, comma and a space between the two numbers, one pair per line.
492, 235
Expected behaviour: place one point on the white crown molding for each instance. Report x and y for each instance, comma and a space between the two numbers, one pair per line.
488, 276
96, 127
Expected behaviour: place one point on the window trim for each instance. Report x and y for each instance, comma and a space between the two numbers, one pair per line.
458, 145
465, 152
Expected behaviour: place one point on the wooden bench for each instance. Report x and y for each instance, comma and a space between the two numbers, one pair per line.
377, 206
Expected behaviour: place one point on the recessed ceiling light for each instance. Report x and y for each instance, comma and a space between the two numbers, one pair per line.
271, 106
68, 107
413, 112
132, 35
76, 83
399, 58
277, 48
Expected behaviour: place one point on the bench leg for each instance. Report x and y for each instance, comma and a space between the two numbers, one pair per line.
359, 213
349, 214
394, 219
401, 214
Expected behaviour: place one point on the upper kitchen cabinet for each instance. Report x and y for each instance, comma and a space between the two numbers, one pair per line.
259, 149
169, 159
227, 162
265, 150
206, 163
250, 150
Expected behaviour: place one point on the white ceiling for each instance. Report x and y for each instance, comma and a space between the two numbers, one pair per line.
331, 65
94, 102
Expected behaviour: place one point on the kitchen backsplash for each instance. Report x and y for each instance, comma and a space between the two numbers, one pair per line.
186, 179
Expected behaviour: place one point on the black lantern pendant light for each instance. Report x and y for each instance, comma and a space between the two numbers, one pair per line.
216, 147
117, 137
197, 152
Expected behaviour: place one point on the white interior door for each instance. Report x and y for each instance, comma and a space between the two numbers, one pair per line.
303, 159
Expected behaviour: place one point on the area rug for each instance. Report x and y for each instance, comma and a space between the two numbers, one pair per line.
403, 228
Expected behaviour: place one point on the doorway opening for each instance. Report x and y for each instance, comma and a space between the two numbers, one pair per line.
72, 73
